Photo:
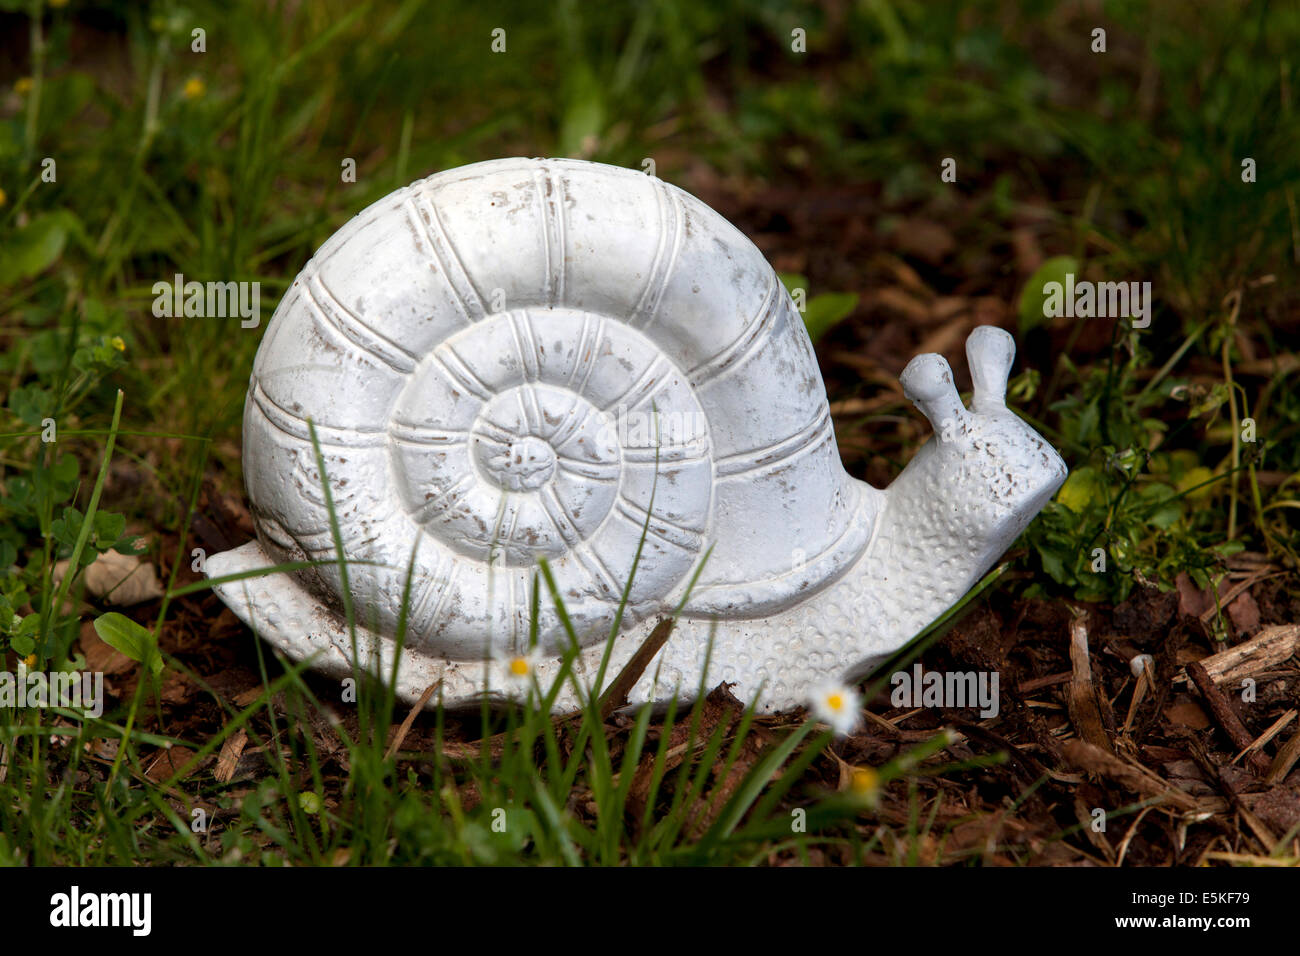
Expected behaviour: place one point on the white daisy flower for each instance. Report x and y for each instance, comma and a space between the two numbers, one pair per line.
837, 705
520, 669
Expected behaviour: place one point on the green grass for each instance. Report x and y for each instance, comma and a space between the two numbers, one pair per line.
226, 165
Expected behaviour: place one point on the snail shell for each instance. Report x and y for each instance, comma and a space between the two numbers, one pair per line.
539, 359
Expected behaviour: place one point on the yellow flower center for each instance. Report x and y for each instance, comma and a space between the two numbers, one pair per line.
835, 702
194, 88
519, 666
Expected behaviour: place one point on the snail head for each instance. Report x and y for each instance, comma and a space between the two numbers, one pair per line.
985, 455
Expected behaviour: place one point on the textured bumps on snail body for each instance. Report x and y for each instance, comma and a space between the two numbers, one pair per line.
525, 359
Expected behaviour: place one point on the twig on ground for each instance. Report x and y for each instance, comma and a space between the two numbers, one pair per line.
1286, 759
1270, 646
405, 729
1085, 708
1129, 774
1274, 729
1216, 775
616, 694
1227, 718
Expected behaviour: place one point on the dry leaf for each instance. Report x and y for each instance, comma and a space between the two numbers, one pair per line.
1244, 613
924, 239
120, 579
1029, 254
1192, 601
169, 762
1187, 714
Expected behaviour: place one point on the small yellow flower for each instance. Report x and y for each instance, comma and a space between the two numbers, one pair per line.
117, 343
194, 88
23, 85
864, 780
518, 667
30, 659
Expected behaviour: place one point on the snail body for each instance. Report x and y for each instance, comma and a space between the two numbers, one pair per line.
555, 359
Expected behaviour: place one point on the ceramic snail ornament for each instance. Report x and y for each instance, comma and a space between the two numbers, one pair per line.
525, 359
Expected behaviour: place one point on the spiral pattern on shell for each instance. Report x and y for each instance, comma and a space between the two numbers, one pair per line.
544, 359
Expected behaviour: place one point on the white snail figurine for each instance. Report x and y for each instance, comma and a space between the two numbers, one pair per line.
526, 359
